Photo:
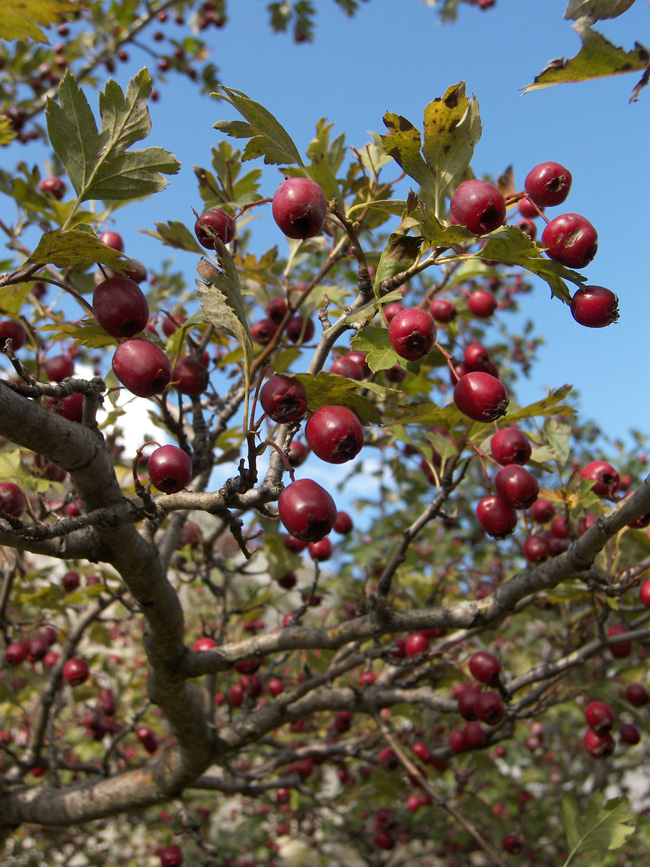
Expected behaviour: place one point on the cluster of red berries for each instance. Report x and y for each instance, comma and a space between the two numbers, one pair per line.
601, 720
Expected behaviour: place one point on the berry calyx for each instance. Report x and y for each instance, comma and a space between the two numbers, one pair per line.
306, 510
299, 208
142, 367
120, 307
496, 517
170, 469
334, 434
479, 205
548, 184
481, 396
211, 223
594, 306
412, 333
283, 399
571, 240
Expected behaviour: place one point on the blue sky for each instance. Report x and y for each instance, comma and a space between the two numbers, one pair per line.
395, 56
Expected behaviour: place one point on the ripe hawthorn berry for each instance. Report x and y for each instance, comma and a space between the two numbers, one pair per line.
482, 303
170, 856
190, 377
300, 330
391, 310
512, 843
516, 486
416, 643
263, 331
412, 333
12, 499
476, 357
467, 698
214, 222
496, 517
481, 396
637, 694
276, 308
334, 434
644, 593
571, 240
170, 469
120, 307
599, 746
59, 367
283, 398
320, 551
443, 311
343, 523
536, 549
479, 205
37, 648
76, 671
629, 734
511, 446
16, 652
594, 306
622, 649
9, 328
147, 738
484, 667
113, 240
142, 367
604, 476
542, 511
599, 716
53, 187
306, 510
548, 184
297, 454
347, 367
299, 208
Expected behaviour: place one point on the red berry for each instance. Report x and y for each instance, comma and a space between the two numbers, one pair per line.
629, 734
412, 333
594, 306
542, 511
443, 311
283, 399
334, 434
599, 717
476, 357
142, 367
298, 453
604, 477
536, 549
76, 671
53, 187
306, 510
214, 222
205, 643
343, 523
37, 648
481, 396
497, 519
548, 184
14, 330
475, 737
16, 652
516, 486
113, 240
458, 741
624, 648
264, 331
170, 856
482, 303
489, 708
147, 738
299, 208
599, 746
170, 469
423, 752
276, 308
391, 310
484, 667
511, 446
12, 499
467, 699
637, 695
479, 205
120, 307
512, 843
347, 367
71, 581
59, 367
416, 644
190, 377
528, 210
571, 240
321, 550
300, 330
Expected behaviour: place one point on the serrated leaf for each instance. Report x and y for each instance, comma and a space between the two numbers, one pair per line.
596, 9
19, 18
367, 312
403, 143
97, 162
559, 438
267, 137
550, 405
85, 333
374, 341
76, 247
452, 127
12, 297
330, 389
597, 58
605, 827
7, 132
398, 255
388, 206
175, 234
221, 300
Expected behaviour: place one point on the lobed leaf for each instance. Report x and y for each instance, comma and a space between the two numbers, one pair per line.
604, 828
403, 143
76, 247
19, 19
175, 234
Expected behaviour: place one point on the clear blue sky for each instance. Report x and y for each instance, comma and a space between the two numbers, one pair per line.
395, 56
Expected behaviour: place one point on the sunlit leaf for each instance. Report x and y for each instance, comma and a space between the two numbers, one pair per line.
19, 18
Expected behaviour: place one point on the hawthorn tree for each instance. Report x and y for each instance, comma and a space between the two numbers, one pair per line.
212, 654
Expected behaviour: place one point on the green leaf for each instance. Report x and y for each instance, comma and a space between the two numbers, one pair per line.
558, 436
7, 133
175, 234
76, 247
12, 297
398, 255
97, 162
605, 827
550, 405
266, 136
403, 143
221, 299
597, 58
452, 127
326, 389
596, 9
85, 333
19, 18
374, 341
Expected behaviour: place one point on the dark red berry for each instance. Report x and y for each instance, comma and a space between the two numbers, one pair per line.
416, 643
76, 671
622, 649
536, 549
343, 523
481, 396
120, 307
637, 695
334, 434
112, 240
170, 469
482, 303
300, 330
516, 486
476, 357
321, 550
629, 734
466, 699
497, 519
599, 746
548, 184
298, 453
264, 331
59, 367
412, 333
53, 187
214, 222
16, 652
542, 511
142, 367
283, 399
489, 708
599, 717
511, 446
276, 308
443, 311
571, 240
479, 205
12, 499
484, 667
306, 510
190, 377
512, 843
171, 856
299, 208
604, 477
14, 330
594, 306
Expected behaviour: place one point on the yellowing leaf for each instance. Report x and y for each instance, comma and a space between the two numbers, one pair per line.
19, 18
